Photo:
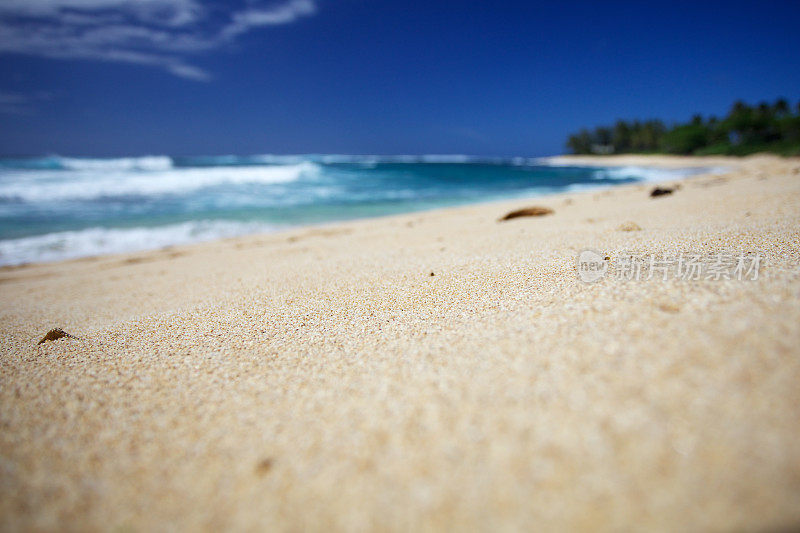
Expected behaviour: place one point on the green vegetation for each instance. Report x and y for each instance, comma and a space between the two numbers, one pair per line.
745, 130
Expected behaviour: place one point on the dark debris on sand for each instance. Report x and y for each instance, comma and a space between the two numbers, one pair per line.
660, 191
55, 334
535, 211
265, 465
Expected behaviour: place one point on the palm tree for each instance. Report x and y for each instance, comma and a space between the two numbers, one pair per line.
781, 107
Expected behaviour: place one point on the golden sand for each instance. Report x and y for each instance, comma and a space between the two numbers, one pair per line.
437, 370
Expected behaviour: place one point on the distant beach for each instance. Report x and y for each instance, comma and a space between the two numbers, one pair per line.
430, 370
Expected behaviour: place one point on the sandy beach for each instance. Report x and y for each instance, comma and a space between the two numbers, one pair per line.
429, 371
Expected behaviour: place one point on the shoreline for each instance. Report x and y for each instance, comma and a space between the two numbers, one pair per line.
657, 161
431, 370
717, 164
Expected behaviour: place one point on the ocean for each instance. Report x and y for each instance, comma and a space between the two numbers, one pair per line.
54, 208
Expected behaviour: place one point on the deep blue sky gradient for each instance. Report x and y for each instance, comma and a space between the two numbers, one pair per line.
397, 77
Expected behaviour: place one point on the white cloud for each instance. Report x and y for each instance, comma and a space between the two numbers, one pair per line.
161, 12
158, 33
244, 21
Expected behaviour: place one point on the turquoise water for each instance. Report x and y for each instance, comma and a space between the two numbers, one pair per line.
56, 208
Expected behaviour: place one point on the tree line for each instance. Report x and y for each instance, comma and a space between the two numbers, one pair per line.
744, 130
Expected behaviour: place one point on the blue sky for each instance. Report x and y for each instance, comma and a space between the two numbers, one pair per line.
181, 77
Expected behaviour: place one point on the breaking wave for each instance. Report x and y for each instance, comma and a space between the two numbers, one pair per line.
645, 173
48, 185
98, 241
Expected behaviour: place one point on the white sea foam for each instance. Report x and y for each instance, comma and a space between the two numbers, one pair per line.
446, 158
98, 241
86, 185
351, 159
272, 159
375, 159
643, 173
155, 162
